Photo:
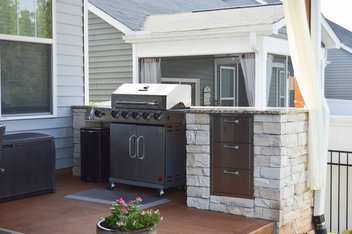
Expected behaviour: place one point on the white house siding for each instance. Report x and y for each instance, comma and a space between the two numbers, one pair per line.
338, 75
110, 59
70, 84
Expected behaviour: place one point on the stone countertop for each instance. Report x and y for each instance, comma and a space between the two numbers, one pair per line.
244, 110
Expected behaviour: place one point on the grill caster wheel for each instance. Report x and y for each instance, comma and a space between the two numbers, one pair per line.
160, 192
112, 186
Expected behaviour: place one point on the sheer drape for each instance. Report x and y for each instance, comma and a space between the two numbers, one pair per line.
150, 71
248, 68
269, 73
304, 63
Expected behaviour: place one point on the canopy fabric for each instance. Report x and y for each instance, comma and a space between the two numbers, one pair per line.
305, 67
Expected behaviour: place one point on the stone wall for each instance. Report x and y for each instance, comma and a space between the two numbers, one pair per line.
79, 122
280, 171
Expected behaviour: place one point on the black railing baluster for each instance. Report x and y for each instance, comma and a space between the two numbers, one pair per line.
331, 178
346, 164
347, 155
338, 193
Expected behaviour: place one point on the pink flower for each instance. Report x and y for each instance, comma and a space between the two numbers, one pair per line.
130, 203
139, 199
121, 201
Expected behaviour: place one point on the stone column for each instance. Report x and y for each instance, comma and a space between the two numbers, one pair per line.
280, 171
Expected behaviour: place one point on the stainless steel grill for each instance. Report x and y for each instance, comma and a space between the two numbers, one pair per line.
147, 134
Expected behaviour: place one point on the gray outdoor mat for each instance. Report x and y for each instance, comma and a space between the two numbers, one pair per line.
105, 196
7, 231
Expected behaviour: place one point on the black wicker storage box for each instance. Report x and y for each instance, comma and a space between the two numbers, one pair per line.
28, 163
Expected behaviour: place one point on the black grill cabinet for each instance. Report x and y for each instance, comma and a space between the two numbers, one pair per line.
28, 163
95, 151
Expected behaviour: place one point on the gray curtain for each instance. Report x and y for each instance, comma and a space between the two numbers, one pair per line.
248, 68
150, 71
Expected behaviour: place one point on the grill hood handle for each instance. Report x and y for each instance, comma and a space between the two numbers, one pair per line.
155, 103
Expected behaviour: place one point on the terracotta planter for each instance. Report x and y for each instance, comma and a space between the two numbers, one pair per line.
103, 230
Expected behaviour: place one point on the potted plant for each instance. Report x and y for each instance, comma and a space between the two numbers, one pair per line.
129, 218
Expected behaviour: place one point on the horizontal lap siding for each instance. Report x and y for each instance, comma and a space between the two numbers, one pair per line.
70, 83
338, 75
110, 59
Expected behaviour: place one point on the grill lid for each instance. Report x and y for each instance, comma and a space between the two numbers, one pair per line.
151, 96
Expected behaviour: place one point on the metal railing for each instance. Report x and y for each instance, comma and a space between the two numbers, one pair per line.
339, 198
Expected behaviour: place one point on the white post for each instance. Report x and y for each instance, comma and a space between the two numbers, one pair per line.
135, 65
260, 73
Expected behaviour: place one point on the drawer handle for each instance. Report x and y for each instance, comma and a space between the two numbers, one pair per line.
236, 121
236, 172
236, 147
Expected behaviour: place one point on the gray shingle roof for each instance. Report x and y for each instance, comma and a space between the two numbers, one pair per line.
343, 34
133, 13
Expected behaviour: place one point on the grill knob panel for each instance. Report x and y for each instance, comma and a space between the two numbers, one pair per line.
157, 116
125, 114
146, 115
114, 114
135, 115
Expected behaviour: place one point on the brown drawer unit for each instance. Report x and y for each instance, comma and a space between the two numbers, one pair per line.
232, 155
232, 129
232, 182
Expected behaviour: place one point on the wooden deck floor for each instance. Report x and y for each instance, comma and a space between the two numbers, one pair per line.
52, 213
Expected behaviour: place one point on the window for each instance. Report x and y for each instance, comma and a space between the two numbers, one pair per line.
26, 57
194, 83
228, 86
279, 75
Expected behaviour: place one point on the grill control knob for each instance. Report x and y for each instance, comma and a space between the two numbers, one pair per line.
146, 115
125, 114
99, 113
114, 114
157, 115
135, 115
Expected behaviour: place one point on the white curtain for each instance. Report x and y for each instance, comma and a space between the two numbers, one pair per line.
269, 73
305, 67
150, 71
248, 68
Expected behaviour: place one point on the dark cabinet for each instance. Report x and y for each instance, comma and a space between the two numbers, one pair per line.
232, 156
95, 154
138, 152
147, 155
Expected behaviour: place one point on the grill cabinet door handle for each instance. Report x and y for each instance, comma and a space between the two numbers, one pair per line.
140, 139
133, 137
232, 172
236, 147
236, 121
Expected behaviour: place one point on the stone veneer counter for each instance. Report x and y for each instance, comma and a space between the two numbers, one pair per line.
280, 156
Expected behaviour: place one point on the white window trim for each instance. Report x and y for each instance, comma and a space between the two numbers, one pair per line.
49, 41
188, 80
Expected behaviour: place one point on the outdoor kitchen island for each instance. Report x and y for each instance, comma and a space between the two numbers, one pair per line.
266, 175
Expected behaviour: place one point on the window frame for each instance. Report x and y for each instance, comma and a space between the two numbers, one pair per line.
53, 78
